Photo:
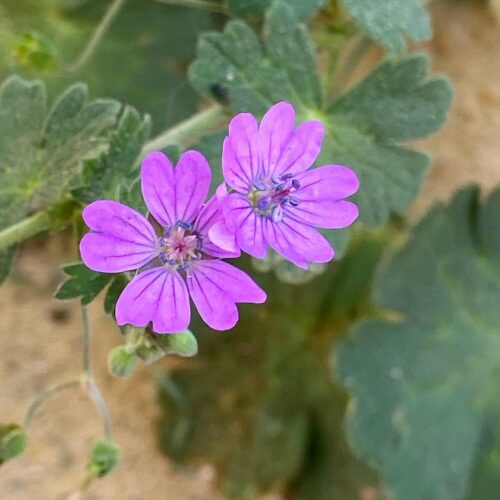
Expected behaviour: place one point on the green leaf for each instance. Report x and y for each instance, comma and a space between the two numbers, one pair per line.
271, 396
257, 8
425, 387
118, 283
103, 176
394, 103
13, 441
256, 78
82, 283
104, 458
365, 127
41, 155
390, 21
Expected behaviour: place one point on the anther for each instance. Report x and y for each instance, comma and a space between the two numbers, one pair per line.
184, 225
293, 201
296, 184
286, 177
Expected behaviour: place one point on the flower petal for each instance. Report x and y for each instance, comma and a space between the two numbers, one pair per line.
158, 187
324, 214
274, 130
233, 281
121, 239
302, 149
217, 309
333, 182
218, 240
298, 243
241, 218
240, 153
158, 295
192, 182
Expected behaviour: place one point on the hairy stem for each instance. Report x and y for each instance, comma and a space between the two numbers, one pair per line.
47, 394
113, 10
90, 384
184, 132
25, 229
218, 8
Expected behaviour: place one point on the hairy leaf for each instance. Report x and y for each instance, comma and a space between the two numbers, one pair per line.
425, 387
103, 176
396, 102
390, 21
82, 283
41, 155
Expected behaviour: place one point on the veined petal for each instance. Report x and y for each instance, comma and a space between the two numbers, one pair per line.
158, 295
324, 214
298, 243
332, 182
233, 281
241, 218
158, 187
302, 148
192, 182
217, 309
240, 152
121, 239
274, 130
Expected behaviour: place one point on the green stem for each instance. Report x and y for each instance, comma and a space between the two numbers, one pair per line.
25, 229
113, 10
38, 402
90, 384
186, 131
198, 4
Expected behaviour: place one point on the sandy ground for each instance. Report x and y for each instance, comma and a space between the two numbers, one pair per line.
40, 337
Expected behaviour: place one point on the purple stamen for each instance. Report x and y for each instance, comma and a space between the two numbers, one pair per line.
286, 177
293, 201
296, 184
184, 225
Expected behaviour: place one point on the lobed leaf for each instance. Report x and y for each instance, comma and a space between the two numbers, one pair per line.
103, 176
390, 21
82, 283
424, 388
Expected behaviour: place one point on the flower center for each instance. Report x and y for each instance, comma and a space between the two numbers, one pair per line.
269, 196
180, 245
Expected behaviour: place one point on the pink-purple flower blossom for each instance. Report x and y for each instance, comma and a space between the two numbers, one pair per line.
177, 263
274, 199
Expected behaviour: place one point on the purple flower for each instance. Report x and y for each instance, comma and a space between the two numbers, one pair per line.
275, 200
180, 261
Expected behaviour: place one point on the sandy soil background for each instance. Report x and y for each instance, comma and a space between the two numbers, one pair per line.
40, 337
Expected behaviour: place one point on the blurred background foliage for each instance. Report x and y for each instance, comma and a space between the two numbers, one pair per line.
142, 60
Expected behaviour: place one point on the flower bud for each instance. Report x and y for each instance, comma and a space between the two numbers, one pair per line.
103, 459
122, 360
183, 344
12, 441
